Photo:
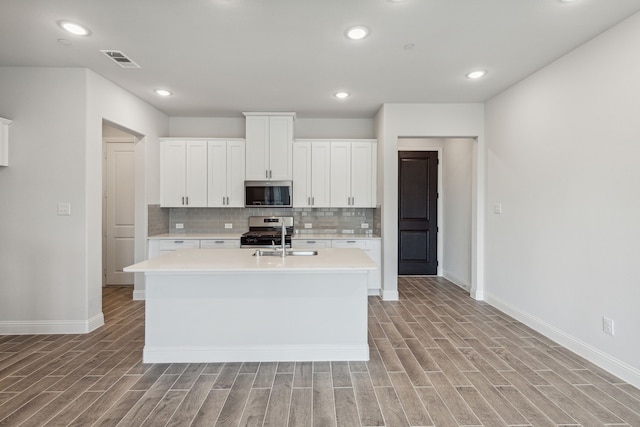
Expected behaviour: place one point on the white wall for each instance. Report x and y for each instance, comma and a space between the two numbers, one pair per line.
563, 159
106, 101
43, 255
394, 121
50, 265
220, 127
458, 171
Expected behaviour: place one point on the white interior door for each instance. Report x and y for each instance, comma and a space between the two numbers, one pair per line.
119, 213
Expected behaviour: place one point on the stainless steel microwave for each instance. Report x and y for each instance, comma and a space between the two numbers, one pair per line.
260, 194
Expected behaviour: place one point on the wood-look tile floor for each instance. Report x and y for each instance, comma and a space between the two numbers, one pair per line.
437, 358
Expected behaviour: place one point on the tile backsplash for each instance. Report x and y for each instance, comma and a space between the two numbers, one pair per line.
213, 220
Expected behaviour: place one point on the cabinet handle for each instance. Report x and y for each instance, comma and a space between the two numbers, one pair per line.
270, 174
311, 241
313, 201
183, 200
178, 241
351, 241
219, 242
227, 200
187, 200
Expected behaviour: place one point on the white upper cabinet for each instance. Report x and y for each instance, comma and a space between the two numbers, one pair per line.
226, 163
269, 145
353, 174
4, 141
311, 174
183, 173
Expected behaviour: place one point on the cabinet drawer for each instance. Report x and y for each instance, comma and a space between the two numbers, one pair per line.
172, 245
355, 243
219, 244
311, 244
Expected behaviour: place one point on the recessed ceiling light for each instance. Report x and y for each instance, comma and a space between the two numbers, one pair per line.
342, 95
74, 28
396, 1
163, 92
357, 33
476, 74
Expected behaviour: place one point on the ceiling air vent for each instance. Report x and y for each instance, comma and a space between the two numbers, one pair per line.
120, 58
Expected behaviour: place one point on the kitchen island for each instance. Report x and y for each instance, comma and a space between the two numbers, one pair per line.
228, 305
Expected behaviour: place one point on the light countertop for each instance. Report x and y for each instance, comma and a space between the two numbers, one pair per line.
236, 236
197, 236
336, 236
243, 260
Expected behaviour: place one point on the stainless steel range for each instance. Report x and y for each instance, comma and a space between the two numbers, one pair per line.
267, 231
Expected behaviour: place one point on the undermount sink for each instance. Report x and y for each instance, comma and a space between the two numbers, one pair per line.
272, 252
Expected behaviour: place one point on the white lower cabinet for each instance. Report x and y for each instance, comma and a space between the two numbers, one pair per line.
373, 249
310, 244
161, 246
220, 244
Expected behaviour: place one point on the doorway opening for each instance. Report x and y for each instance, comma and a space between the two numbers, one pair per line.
118, 205
454, 186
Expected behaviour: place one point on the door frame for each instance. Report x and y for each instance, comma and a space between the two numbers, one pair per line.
107, 140
440, 225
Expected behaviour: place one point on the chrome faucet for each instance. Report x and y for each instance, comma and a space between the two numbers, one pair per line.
284, 233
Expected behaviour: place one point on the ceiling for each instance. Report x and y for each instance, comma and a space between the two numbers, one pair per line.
222, 57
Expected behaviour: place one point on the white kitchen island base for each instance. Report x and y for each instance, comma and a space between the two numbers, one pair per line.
282, 313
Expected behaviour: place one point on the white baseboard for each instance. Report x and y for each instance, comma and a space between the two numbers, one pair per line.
390, 295
373, 292
457, 280
209, 354
607, 362
46, 327
138, 295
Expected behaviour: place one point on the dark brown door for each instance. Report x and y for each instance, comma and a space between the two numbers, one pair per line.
417, 212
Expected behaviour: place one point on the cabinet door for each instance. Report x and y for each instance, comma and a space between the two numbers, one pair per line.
302, 174
217, 175
310, 244
321, 174
340, 174
196, 174
361, 174
220, 244
235, 173
257, 140
280, 147
173, 163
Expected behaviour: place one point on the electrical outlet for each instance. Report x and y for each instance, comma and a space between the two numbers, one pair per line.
497, 208
364, 225
607, 326
308, 225
179, 226
228, 225
64, 209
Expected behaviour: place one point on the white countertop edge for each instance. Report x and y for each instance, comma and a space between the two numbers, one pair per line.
243, 261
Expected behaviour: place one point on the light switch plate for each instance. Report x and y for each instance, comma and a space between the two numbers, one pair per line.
497, 208
64, 209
